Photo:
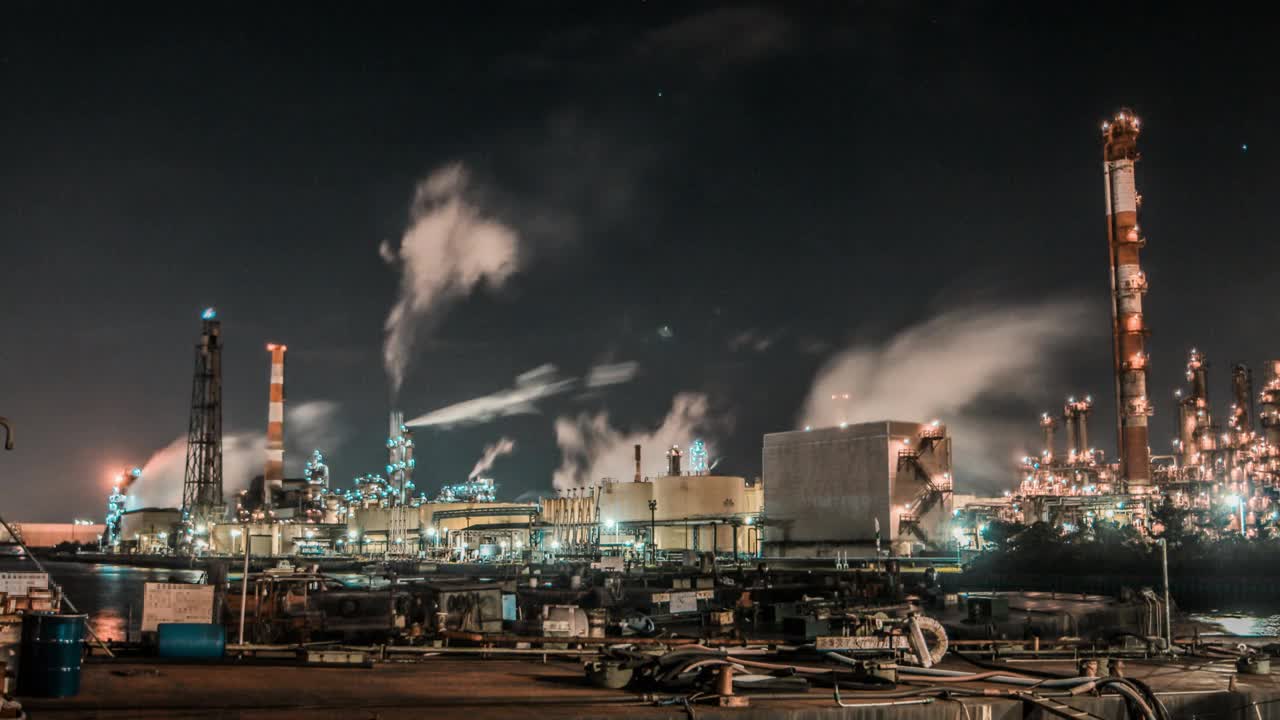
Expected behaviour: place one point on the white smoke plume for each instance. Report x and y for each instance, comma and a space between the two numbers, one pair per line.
537, 384
308, 425
939, 368
592, 449
505, 446
448, 250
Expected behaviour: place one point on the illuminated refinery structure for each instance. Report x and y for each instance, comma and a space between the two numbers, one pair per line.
116, 504
1227, 477
202, 500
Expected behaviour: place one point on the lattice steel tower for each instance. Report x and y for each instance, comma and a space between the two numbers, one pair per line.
202, 483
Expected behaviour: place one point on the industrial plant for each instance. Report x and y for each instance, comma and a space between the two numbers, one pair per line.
836, 576
858, 491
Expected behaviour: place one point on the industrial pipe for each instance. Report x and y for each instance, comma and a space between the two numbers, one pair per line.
502, 637
936, 675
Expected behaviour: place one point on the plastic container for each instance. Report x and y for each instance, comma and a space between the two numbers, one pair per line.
191, 640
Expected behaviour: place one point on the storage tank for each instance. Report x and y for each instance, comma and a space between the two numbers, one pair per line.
693, 496
626, 502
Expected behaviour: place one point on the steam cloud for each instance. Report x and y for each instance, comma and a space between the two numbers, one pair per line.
447, 251
592, 449
492, 452
937, 369
308, 425
537, 384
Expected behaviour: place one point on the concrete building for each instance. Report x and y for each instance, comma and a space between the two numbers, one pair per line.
827, 489
51, 534
150, 530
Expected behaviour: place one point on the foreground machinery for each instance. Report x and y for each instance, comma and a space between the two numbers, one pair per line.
865, 610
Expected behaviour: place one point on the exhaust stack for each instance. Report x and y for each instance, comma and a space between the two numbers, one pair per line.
273, 474
1128, 285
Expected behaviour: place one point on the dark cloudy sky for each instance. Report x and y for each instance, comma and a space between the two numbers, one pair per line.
796, 177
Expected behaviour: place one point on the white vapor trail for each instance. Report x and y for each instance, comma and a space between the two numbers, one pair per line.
448, 250
537, 384
614, 374
939, 368
505, 446
592, 449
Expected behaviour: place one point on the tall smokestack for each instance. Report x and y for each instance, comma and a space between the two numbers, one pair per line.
1069, 423
673, 460
1269, 407
639, 477
1083, 408
274, 473
1128, 285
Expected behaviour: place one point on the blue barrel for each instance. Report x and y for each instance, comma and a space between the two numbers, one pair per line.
49, 659
191, 640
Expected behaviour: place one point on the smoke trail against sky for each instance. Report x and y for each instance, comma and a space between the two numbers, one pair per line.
537, 384
592, 449
308, 426
937, 369
615, 374
448, 250
505, 446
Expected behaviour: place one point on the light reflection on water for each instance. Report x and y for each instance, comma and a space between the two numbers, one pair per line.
109, 594
1242, 623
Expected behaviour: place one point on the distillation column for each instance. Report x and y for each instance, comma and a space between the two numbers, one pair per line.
1048, 422
1128, 285
1269, 407
1241, 421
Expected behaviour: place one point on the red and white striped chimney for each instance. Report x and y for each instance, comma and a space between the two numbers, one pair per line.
274, 473
1128, 285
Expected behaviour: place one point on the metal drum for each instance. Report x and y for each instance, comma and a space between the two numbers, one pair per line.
49, 660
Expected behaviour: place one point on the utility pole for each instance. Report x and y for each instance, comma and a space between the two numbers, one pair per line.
1168, 613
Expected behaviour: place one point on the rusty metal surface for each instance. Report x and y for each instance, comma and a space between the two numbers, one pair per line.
506, 688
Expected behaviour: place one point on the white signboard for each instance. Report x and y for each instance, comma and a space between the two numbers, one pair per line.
682, 602
175, 603
17, 584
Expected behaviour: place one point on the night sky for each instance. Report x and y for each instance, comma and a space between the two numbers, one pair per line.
727, 195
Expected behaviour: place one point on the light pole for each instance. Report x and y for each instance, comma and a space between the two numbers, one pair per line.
653, 531
736, 524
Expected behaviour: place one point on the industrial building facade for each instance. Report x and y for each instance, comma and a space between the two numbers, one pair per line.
843, 489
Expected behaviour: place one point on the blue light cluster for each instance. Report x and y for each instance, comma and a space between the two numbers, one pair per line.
698, 457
